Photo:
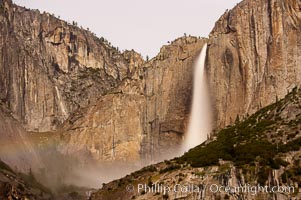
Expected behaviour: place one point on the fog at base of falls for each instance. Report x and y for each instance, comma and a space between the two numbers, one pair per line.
62, 170
200, 116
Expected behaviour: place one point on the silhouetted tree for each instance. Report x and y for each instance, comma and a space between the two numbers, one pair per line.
237, 120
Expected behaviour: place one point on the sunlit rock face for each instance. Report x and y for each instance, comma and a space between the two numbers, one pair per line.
168, 90
50, 68
254, 57
58, 77
144, 119
109, 131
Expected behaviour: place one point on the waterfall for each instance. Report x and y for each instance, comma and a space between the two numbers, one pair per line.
61, 103
200, 118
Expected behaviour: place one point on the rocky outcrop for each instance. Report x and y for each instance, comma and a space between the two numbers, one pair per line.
50, 68
14, 186
254, 56
142, 120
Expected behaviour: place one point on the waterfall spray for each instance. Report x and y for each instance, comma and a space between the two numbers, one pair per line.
199, 122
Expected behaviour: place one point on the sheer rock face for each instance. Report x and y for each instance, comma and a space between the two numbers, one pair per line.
254, 56
168, 83
110, 130
144, 118
50, 68
55, 76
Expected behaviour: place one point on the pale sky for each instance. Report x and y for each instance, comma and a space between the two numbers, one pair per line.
142, 25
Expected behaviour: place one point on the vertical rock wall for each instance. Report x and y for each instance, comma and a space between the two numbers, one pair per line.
49, 68
254, 56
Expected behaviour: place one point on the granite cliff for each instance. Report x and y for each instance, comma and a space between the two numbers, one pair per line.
58, 77
144, 118
62, 84
254, 57
50, 68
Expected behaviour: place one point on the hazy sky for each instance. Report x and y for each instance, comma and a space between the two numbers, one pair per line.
142, 25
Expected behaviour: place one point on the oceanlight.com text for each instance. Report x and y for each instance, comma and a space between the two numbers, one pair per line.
212, 188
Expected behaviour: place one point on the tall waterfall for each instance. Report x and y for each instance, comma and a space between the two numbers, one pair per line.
200, 118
